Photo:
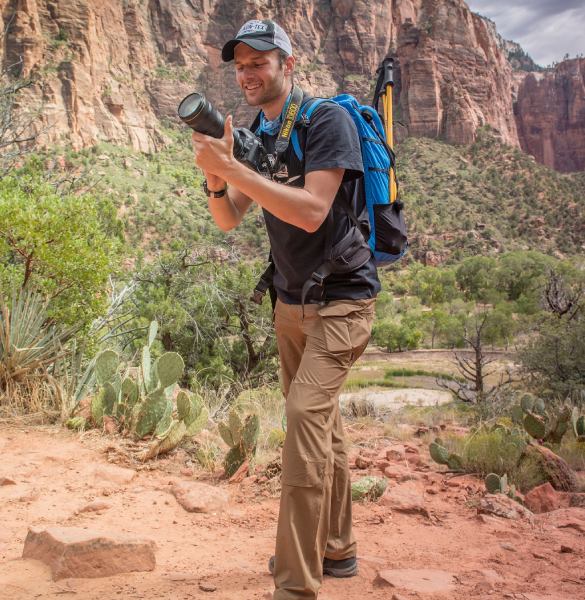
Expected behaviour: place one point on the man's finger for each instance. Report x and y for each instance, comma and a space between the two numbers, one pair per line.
228, 128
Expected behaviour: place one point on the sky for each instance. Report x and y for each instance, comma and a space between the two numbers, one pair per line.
546, 29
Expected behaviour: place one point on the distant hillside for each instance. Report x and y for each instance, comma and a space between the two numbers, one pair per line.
460, 201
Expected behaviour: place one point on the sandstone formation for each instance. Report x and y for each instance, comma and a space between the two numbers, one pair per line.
75, 552
550, 115
108, 70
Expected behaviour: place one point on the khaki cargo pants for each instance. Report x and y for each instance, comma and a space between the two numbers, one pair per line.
316, 353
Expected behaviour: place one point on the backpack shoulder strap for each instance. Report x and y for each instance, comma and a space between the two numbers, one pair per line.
255, 127
303, 120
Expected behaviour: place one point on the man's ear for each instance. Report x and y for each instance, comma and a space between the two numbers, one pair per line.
289, 65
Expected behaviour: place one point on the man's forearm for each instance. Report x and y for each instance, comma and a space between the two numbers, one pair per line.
224, 212
297, 206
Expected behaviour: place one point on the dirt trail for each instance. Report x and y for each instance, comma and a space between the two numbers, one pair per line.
54, 475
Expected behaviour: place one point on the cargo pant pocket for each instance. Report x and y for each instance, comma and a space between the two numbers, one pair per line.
347, 326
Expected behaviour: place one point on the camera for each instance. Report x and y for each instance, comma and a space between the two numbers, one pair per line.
197, 112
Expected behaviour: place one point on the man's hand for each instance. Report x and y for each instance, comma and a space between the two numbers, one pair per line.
214, 156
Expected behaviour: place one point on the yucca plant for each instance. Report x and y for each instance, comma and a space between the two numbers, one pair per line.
29, 348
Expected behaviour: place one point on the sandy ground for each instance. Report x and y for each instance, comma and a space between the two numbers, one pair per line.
54, 475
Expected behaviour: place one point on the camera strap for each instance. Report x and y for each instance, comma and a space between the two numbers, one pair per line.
290, 116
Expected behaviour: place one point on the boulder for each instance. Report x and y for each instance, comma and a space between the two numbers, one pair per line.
199, 497
406, 498
540, 464
76, 552
545, 498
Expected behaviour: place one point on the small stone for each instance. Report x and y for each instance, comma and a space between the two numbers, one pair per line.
363, 463
76, 552
502, 506
6, 481
539, 555
95, 506
114, 474
205, 587
566, 549
424, 581
507, 546
395, 454
199, 497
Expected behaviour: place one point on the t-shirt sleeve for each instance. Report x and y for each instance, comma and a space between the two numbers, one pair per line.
333, 142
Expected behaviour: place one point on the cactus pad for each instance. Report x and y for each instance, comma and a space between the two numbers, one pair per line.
106, 366
169, 369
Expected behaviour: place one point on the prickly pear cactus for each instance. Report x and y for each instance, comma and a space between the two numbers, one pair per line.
548, 426
368, 488
441, 455
242, 438
106, 366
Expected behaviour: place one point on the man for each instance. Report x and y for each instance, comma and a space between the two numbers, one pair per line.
319, 340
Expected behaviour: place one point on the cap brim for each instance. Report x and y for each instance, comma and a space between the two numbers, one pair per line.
227, 52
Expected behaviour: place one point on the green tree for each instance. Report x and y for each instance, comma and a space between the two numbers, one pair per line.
476, 278
59, 244
205, 314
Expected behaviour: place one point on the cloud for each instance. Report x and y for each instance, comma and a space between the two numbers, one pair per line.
546, 29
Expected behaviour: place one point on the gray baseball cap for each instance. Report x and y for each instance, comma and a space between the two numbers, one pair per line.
260, 35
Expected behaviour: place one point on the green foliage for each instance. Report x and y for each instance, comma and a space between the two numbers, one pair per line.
368, 488
30, 350
555, 356
206, 316
57, 244
493, 449
241, 437
530, 206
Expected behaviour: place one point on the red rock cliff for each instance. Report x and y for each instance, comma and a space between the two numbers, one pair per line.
111, 70
550, 115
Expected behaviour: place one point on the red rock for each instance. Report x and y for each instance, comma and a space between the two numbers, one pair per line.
399, 473
395, 454
502, 506
406, 498
114, 474
95, 506
75, 552
545, 498
362, 462
200, 497
549, 115
420, 581
382, 464
6, 481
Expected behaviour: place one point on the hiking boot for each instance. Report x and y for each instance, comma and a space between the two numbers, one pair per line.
346, 567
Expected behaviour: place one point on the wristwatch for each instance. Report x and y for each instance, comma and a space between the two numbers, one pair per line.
211, 194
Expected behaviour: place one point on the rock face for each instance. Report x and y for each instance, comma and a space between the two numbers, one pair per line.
550, 115
75, 552
109, 70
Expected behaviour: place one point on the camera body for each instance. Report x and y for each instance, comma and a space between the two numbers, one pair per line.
197, 112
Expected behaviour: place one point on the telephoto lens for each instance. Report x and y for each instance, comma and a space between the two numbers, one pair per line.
197, 112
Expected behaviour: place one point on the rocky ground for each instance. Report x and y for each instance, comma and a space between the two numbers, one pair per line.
426, 538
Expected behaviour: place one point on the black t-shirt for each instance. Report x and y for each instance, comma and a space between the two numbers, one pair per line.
331, 142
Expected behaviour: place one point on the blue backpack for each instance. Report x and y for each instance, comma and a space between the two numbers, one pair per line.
387, 237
